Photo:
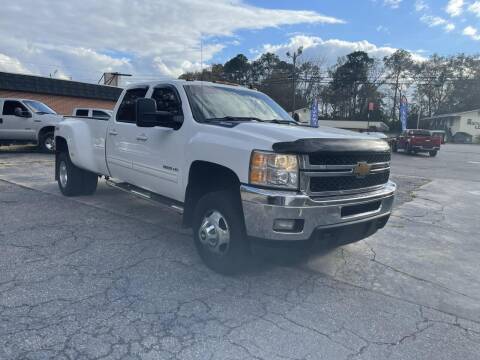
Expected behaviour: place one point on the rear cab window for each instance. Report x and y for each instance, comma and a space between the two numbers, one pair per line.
81, 112
100, 114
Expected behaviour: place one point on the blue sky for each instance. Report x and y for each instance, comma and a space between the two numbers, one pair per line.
152, 39
405, 24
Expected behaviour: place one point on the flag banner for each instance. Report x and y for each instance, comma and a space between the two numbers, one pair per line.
403, 112
314, 113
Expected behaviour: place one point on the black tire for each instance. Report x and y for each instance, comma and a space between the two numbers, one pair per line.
433, 153
47, 142
394, 147
409, 150
232, 258
77, 181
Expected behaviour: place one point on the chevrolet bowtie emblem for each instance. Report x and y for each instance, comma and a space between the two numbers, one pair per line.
361, 170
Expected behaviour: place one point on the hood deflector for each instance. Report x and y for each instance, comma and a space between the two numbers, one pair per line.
305, 146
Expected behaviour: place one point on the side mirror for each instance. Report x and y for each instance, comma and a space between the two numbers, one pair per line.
146, 115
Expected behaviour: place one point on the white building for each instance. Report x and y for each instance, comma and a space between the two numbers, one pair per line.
461, 127
304, 117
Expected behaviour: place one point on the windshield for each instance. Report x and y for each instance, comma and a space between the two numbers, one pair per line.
38, 107
211, 103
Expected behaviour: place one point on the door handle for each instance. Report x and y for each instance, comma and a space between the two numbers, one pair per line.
142, 138
113, 133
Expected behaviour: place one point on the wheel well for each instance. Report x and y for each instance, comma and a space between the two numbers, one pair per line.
45, 130
60, 147
205, 177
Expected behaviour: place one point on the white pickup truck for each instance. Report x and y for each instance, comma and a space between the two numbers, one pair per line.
25, 121
234, 163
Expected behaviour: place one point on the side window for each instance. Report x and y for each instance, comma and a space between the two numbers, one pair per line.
126, 110
100, 114
10, 105
82, 112
167, 100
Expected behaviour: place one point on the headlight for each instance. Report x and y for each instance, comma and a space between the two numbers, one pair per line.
274, 170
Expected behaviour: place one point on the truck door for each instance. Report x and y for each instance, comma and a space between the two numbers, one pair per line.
158, 163
121, 143
14, 127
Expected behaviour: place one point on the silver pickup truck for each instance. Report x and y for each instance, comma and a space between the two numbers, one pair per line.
25, 121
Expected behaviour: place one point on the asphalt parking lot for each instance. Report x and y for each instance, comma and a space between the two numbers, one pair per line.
115, 277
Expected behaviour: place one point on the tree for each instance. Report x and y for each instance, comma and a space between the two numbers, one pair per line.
350, 75
237, 69
398, 66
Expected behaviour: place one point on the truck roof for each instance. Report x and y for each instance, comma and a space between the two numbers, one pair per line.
18, 99
186, 82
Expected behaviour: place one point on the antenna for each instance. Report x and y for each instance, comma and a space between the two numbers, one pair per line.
201, 57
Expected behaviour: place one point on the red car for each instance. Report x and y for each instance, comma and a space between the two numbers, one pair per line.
415, 141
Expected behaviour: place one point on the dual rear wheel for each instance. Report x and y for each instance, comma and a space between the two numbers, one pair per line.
72, 180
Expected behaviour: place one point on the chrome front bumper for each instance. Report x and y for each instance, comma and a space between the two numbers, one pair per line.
262, 207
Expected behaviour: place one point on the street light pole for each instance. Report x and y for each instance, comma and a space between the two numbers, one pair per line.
294, 57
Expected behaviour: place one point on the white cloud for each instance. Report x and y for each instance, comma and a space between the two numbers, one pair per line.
475, 8
421, 5
9, 64
83, 39
471, 32
394, 4
315, 48
384, 29
449, 27
455, 7
434, 21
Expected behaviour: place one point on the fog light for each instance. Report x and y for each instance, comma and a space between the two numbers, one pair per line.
288, 225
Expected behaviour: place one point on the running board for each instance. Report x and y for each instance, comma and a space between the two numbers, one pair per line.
147, 195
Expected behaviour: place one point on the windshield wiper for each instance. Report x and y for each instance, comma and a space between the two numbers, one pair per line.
235, 118
281, 121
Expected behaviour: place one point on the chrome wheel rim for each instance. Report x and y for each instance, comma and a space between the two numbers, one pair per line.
214, 233
49, 143
62, 174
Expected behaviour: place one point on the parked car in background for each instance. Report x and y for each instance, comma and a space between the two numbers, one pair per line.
234, 163
24, 121
415, 141
92, 112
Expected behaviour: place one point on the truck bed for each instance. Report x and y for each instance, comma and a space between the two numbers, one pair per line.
93, 132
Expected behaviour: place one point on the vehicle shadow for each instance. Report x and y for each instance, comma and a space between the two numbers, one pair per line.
269, 255
20, 149
404, 153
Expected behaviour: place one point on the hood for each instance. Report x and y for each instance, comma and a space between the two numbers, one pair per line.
302, 139
274, 133
49, 118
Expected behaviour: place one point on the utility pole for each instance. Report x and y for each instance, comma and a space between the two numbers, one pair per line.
418, 118
294, 57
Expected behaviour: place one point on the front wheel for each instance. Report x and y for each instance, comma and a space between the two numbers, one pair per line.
72, 180
433, 153
219, 232
47, 142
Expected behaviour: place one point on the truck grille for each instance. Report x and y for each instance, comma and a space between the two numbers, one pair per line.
330, 173
349, 182
348, 158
